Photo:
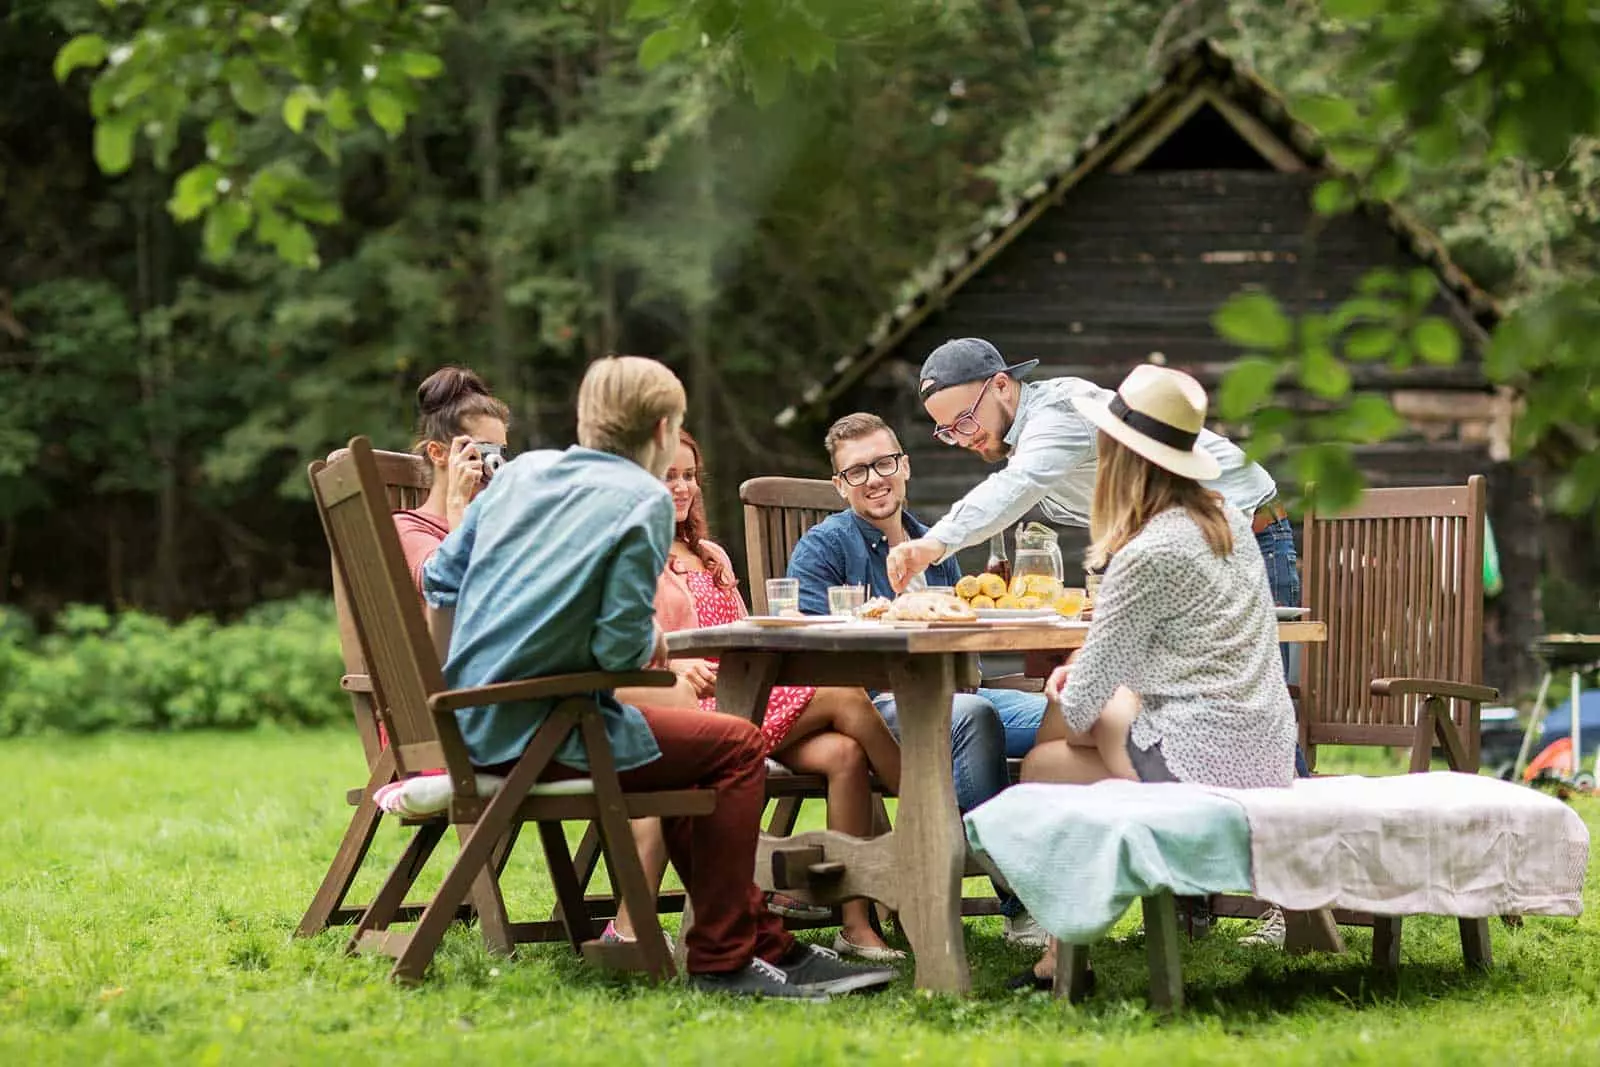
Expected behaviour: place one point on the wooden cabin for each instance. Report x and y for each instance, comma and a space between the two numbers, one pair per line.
1199, 190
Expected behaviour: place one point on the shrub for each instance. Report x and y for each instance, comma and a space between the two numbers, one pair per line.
279, 663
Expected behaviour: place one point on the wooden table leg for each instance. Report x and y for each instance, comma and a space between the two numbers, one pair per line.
1311, 931
1475, 948
929, 839
1386, 933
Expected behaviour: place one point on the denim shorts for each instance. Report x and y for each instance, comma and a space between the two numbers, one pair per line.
1150, 764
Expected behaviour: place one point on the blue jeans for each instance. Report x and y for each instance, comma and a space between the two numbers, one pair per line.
978, 743
1283, 578
1020, 714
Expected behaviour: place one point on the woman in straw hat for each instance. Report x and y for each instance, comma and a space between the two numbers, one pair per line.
1179, 678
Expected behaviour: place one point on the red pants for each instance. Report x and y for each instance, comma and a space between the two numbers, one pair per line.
714, 855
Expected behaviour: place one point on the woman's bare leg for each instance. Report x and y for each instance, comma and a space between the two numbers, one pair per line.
652, 846
849, 712
841, 760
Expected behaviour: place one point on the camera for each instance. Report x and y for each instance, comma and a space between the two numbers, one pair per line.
493, 457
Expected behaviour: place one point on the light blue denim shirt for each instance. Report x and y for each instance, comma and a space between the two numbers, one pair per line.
1053, 462
553, 571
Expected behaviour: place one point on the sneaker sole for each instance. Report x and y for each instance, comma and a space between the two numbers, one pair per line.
854, 983
802, 994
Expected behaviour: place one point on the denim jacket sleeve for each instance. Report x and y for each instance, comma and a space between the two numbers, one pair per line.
624, 633
443, 571
817, 565
1054, 440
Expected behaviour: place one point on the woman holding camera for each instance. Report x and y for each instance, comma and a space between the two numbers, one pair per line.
460, 425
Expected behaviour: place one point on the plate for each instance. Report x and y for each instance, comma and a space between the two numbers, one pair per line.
1017, 613
781, 622
1290, 614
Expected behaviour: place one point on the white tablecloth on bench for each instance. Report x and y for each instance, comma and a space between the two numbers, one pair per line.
1438, 843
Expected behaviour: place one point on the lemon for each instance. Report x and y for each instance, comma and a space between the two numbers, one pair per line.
981, 601
992, 586
1007, 601
1030, 602
967, 587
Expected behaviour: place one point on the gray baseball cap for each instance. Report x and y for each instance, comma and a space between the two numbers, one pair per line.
967, 359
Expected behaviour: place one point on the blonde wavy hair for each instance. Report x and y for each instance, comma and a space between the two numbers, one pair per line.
1129, 491
621, 401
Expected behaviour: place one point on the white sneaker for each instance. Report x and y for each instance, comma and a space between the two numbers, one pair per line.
1272, 930
1025, 932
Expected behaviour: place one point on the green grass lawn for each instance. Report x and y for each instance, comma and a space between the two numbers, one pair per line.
148, 887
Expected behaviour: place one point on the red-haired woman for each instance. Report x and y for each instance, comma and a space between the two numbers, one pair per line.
829, 731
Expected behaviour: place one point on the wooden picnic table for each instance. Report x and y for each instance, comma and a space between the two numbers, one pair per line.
916, 869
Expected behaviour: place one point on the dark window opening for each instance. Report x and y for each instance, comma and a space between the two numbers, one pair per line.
1206, 142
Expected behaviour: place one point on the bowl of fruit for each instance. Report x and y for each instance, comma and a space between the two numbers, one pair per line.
1028, 596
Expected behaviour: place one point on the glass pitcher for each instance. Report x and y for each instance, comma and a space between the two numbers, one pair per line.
1039, 558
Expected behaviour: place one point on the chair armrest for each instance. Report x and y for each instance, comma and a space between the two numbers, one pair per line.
356, 683
1432, 687
555, 685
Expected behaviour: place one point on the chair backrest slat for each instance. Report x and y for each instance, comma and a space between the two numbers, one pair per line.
1398, 578
406, 478
387, 613
777, 513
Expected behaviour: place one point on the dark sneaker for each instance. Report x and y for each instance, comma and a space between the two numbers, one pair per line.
758, 978
816, 968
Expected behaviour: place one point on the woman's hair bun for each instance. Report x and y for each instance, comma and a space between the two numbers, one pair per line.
446, 386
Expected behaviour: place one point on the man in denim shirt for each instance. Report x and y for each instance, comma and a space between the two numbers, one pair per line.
850, 548
553, 570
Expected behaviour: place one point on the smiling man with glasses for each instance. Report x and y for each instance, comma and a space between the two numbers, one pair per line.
852, 548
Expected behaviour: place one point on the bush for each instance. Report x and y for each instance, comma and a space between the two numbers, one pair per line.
279, 663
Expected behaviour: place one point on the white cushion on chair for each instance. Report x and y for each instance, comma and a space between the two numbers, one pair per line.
429, 794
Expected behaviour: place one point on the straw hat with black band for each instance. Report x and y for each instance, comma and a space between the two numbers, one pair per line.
1158, 413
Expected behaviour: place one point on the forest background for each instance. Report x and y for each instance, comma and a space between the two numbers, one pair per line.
208, 279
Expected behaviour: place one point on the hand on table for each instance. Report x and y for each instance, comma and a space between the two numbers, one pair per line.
910, 559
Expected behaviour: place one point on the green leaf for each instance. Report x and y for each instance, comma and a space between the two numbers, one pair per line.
1323, 375
340, 110
222, 139
1378, 281
1330, 477
113, 143
224, 223
1369, 419
1333, 197
194, 191
386, 111
1246, 386
640, 10
1353, 10
1368, 343
1328, 114
421, 64
84, 50
248, 88
300, 101
1254, 320
663, 44
1438, 145
1437, 341
1424, 286
1392, 179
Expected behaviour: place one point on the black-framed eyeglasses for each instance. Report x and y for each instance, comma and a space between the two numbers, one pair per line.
966, 424
883, 467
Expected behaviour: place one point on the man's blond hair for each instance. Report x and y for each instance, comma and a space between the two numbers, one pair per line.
622, 400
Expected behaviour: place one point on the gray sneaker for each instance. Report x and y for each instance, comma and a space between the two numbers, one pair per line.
758, 978
816, 968
1025, 932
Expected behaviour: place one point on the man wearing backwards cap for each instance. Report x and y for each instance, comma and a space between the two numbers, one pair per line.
979, 402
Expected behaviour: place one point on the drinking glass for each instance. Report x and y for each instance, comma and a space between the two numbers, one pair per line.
1070, 604
783, 596
845, 599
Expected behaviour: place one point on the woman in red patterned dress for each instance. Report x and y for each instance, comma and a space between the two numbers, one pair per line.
829, 731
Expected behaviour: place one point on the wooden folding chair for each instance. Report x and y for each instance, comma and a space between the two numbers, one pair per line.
406, 479
1398, 578
419, 714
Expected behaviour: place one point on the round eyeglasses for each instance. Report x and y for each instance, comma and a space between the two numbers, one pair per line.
883, 467
966, 424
